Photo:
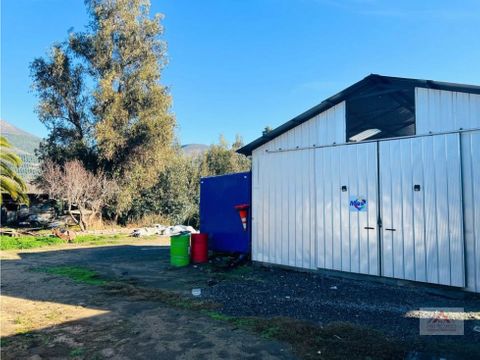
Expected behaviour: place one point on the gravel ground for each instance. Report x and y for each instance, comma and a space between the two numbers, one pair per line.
270, 292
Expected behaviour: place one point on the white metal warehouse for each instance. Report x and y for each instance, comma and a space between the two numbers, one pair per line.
382, 178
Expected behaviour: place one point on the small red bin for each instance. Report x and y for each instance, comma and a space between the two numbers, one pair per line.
199, 248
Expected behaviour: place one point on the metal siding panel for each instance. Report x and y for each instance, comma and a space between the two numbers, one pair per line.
259, 216
407, 233
269, 231
264, 204
340, 122
282, 232
284, 210
441, 209
298, 208
288, 210
265, 207
396, 222
342, 240
320, 198
275, 231
329, 219
361, 255
313, 213
307, 208
291, 210
327, 128
471, 206
455, 211
430, 215
337, 219
418, 212
444, 111
427, 244
386, 208
372, 193
345, 213
354, 223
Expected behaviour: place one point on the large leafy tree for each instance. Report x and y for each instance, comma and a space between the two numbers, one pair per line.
134, 128
64, 107
10, 182
121, 122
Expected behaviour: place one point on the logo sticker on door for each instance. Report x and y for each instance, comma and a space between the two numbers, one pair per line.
358, 204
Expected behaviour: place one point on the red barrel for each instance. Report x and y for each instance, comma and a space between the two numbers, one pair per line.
199, 248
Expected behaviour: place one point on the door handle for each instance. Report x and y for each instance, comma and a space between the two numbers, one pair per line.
369, 228
390, 229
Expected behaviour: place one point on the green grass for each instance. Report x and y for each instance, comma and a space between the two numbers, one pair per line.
31, 242
27, 242
76, 273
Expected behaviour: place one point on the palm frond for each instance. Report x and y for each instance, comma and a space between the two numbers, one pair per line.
10, 181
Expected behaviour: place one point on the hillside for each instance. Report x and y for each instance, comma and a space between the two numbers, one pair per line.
194, 149
24, 144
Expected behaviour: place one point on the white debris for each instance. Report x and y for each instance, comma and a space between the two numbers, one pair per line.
333, 288
196, 292
145, 231
177, 229
158, 229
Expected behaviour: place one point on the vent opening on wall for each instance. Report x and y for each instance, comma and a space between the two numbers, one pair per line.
383, 109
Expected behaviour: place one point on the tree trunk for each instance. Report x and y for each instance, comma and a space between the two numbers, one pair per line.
71, 215
81, 222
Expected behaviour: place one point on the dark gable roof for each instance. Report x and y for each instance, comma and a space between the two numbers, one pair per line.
370, 81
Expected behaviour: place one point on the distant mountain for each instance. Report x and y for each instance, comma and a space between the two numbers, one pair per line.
194, 149
24, 144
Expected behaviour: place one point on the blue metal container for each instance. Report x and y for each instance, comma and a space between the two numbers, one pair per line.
218, 216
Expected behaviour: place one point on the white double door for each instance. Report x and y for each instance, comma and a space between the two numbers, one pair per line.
392, 208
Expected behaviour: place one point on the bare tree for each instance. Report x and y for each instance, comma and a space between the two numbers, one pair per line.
79, 188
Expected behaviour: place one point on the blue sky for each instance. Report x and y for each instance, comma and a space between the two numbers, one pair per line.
236, 66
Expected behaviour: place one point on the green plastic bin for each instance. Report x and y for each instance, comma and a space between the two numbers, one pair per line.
179, 250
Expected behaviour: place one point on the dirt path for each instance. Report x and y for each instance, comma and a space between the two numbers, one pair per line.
44, 316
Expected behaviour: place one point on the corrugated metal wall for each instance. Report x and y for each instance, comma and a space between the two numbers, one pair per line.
298, 214
347, 238
421, 209
444, 111
283, 209
283, 191
471, 206
326, 128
